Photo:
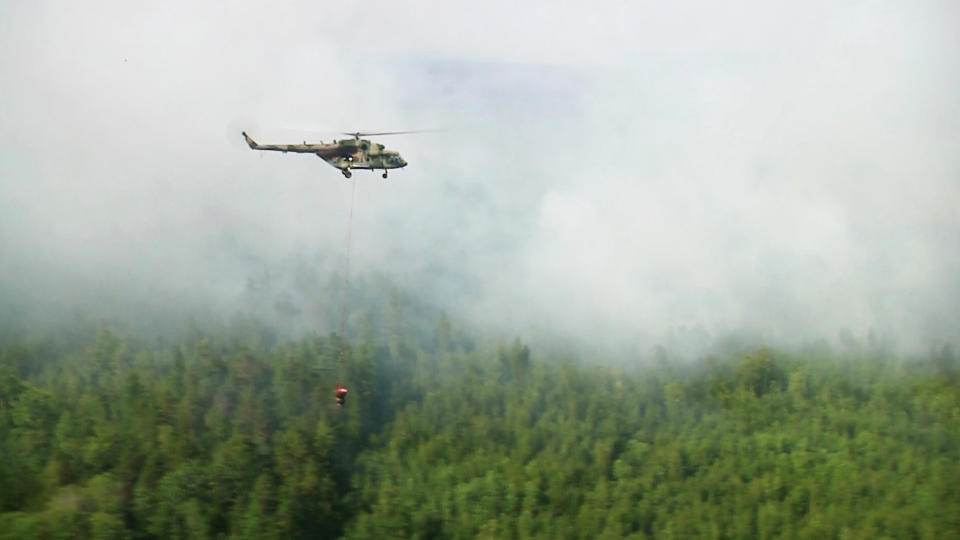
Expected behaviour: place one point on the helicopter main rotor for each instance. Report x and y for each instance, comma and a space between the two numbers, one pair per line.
358, 134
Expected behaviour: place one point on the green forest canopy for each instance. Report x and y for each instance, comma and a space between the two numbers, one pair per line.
236, 435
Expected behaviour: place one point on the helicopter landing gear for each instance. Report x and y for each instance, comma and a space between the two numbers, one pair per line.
384, 174
346, 170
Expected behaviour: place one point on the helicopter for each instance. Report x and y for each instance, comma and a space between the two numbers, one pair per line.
344, 154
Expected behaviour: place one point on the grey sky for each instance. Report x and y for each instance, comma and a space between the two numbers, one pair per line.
614, 169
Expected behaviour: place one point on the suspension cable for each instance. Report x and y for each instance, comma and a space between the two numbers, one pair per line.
346, 276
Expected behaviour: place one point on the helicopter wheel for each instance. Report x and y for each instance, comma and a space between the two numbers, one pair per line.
347, 174
384, 174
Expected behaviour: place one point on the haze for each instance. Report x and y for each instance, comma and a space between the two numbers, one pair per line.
611, 172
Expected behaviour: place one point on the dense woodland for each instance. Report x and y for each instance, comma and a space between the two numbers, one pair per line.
235, 434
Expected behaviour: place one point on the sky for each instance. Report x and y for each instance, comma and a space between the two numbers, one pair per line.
606, 171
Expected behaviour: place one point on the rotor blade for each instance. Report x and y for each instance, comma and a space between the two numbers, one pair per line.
371, 134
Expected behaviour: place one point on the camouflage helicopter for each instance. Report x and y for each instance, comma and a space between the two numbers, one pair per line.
345, 154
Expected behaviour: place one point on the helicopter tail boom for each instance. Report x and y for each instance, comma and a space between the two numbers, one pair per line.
299, 148
250, 142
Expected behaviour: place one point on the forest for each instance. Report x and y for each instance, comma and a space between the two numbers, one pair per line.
233, 433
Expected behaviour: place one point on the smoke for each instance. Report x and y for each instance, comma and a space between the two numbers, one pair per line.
611, 174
